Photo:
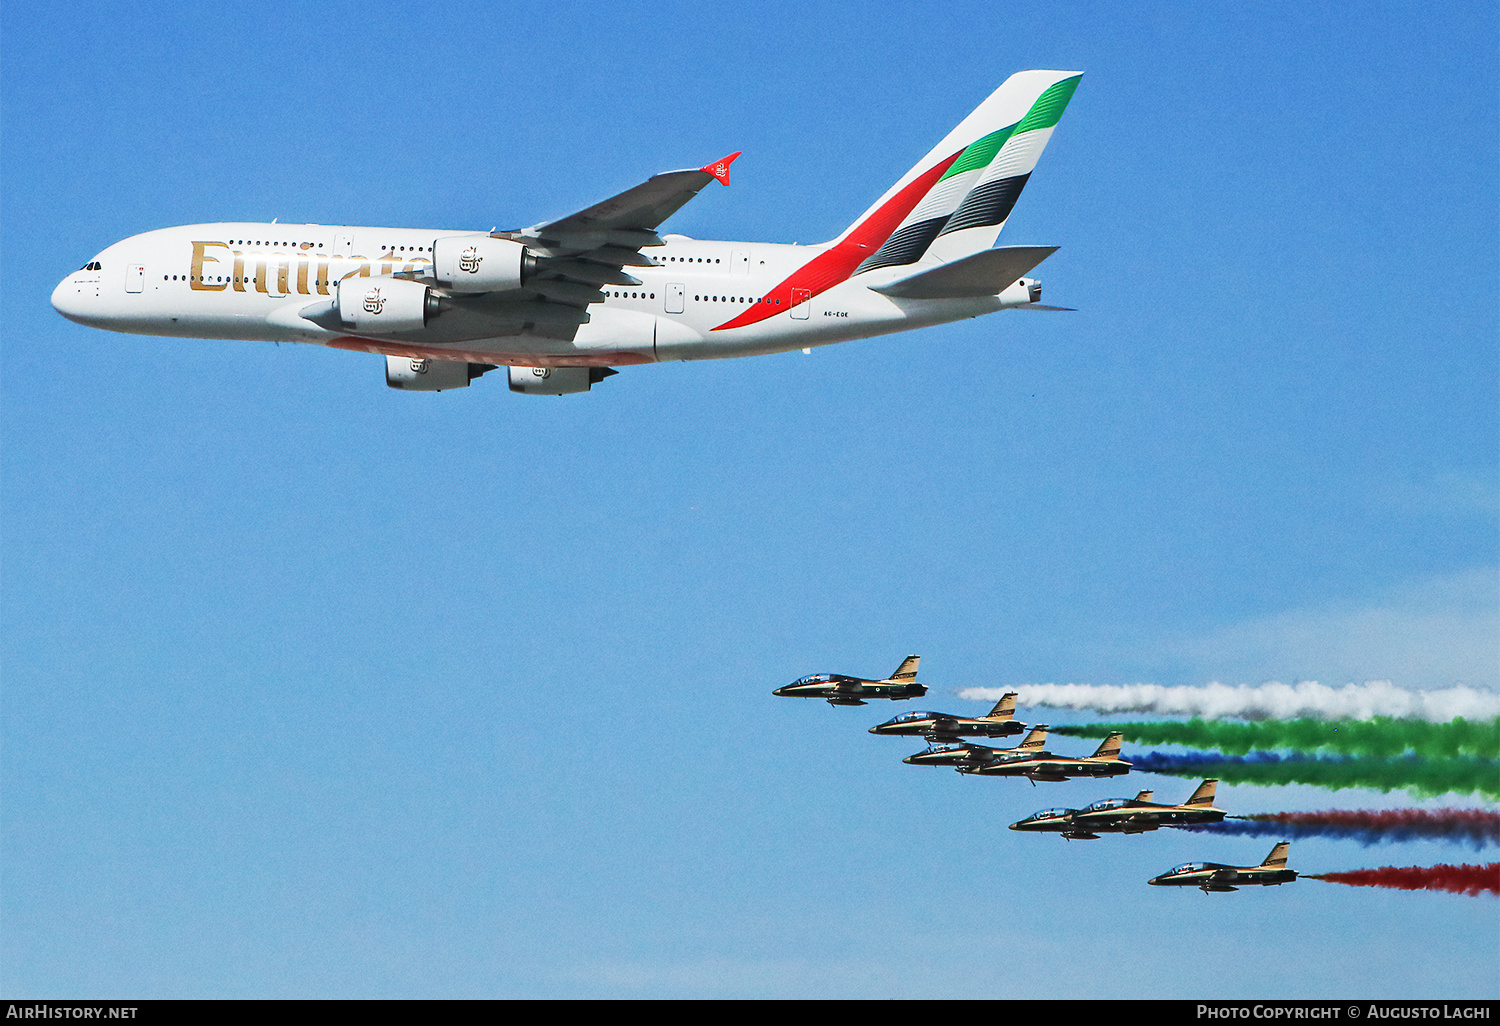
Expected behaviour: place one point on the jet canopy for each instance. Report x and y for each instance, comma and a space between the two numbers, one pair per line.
1187, 867
1108, 803
815, 678
909, 717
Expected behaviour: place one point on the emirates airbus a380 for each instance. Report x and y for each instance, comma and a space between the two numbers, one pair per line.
565, 301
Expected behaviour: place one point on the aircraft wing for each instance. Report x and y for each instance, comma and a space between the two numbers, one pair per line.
580, 253
577, 256
622, 224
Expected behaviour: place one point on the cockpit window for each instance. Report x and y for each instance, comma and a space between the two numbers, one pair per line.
92, 265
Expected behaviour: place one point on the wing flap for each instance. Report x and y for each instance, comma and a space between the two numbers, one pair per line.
986, 273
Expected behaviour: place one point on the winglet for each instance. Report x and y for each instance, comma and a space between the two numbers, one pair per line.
720, 168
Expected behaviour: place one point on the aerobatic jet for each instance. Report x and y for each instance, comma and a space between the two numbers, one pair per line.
1215, 876
964, 755
1125, 815
998, 722
564, 302
1043, 765
841, 690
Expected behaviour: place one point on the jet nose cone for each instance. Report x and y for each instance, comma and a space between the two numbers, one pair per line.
67, 299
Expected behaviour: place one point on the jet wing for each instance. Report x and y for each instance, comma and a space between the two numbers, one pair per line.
576, 257
579, 254
627, 222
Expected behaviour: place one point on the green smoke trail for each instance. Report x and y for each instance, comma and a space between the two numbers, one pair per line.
1421, 776
1381, 737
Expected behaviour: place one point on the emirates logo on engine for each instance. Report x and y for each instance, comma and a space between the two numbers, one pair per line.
374, 301
419, 366
541, 372
469, 259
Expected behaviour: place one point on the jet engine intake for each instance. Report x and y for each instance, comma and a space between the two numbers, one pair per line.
384, 305
431, 375
479, 263
556, 380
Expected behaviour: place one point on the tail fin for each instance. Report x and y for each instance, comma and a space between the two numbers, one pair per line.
1035, 741
1110, 749
907, 671
1204, 795
1145, 796
1005, 709
958, 197
1278, 854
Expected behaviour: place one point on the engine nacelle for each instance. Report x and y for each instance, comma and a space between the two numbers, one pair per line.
556, 380
431, 375
384, 305
479, 263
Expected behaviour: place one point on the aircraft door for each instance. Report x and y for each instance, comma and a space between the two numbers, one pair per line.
343, 244
135, 278
739, 262
675, 297
801, 298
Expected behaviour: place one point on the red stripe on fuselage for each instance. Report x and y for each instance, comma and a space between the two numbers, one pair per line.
832, 266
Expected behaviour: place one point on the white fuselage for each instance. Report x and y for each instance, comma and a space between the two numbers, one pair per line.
264, 281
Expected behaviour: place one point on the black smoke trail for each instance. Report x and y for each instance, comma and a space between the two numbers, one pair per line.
1420, 776
1369, 826
1381, 737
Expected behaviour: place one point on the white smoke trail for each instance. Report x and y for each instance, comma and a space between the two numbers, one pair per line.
1259, 702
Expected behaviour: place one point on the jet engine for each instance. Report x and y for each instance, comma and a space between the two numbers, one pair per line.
479, 263
384, 305
431, 375
556, 380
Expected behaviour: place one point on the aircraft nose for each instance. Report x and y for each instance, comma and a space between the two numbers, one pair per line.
67, 299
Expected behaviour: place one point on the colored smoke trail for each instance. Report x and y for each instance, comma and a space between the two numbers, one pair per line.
1457, 879
1260, 702
1381, 737
1368, 826
1421, 776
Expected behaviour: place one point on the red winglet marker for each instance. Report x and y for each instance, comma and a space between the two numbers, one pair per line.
720, 168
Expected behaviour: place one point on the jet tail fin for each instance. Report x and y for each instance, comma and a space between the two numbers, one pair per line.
907, 671
1204, 795
1277, 858
1005, 709
1110, 749
985, 273
1036, 740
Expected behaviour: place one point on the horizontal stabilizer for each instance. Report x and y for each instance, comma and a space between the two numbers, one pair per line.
986, 273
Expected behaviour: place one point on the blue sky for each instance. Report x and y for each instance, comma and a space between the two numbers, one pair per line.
316, 688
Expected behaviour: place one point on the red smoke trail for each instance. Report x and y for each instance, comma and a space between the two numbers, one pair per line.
1458, 879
